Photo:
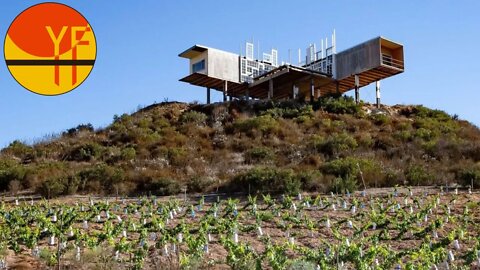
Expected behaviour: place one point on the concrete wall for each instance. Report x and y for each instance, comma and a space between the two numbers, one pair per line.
360, 58
223, 65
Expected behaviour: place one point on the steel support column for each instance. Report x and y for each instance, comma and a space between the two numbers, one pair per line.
208, 95
357, 87
225, 90
377, 86
270, 89
312, 90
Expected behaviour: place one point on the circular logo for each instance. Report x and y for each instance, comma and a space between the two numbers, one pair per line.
50, 49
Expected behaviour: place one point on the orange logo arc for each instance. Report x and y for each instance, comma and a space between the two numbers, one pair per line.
50, 49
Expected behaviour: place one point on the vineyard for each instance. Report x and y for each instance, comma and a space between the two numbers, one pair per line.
397, 229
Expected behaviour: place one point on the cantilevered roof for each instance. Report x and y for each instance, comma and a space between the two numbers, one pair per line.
199, 79
193, 51
390, 43
283, 79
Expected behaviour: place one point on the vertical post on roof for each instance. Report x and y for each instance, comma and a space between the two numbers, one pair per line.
377, 84
312, 89
208, 95
247, 94
225, 89
270, 89
357, 87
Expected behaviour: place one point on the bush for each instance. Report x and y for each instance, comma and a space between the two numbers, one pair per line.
379, 119
128, 153
311, 180
267, 180
193, 117
164, 187
342, 167
348, 172
177, 156
418, 175
290, 112
340, 105
199, 184
86, 152
335, 144
424, 112
265, 123
258, 154
469, 175
80, 128
10, 171
52, 187
101, 174
403, 135
18, 149
344, 184
425, 134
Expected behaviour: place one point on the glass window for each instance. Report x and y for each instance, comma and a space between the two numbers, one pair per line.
199, 66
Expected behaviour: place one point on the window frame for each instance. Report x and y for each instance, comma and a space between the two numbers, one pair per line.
202, 64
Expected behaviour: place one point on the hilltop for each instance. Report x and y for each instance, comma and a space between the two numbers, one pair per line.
258, 146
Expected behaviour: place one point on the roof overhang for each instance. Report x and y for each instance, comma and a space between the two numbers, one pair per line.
283, 79
199, 79
193, 51
389, 43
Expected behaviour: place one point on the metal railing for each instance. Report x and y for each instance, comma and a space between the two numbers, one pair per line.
390, 61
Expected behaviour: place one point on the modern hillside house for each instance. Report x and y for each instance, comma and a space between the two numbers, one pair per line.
321, 72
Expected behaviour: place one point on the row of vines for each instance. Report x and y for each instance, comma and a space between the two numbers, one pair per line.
398, 230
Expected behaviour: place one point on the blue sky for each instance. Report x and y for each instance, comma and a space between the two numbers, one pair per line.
138, 43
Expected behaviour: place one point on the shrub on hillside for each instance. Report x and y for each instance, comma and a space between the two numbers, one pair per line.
417, 175
334, 144
342, 167
200, 184
340, 105
52, 187
258, 154
18, 149
290, 112
56, 186
425, 134
86, 152
349, 172
267, 180
424, 112
193, 117
128, 153
125, 119
380, 119
264, 123
312, 180
473, 151
403, 135
80, 128
100, 175
164, 187
177, 156
10, 171
160, 123
344, 184
469, 175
